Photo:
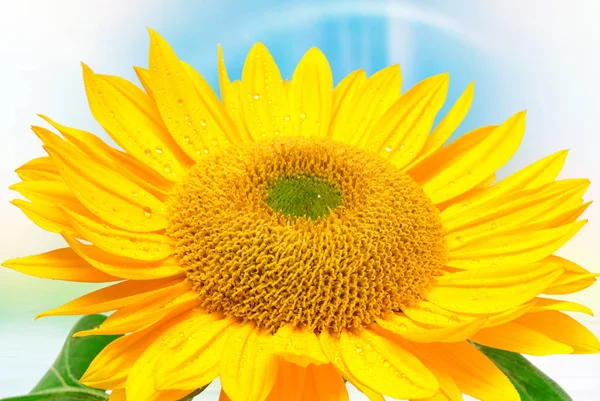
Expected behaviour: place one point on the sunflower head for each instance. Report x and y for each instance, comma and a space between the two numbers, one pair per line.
306, 232
291, 235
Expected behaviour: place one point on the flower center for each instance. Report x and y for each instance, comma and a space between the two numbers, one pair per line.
303, 196
306, 232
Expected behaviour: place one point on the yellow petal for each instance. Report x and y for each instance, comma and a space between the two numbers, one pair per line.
47, 137
509, 315
385, 366
479, 188
124, 267
48, 198
131, 119
406, 328
310, 383
515, 337
493, 289
53, 192
266, 108
543, 304
112, 365
457, 168
45, 215
402, 130
429, 314
574, 278
117, 395
139, 246
289, 385
213, 105
140, 381
473, 373
122, 163
332, 348
562, 328
311, 95
59, 264
447, 126
517, 201
252, 377
345, 90
230, 95
108, 195
323, 383
300, 346
448, 389
513, 248
112, 297
145, 79
186, 112
374, 97
41, 168
539, 173
513, 211
565, 218
138, 316
536, 174
193, 361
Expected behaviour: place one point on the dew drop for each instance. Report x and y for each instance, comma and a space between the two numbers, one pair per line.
302, 116
203, 123
147, 152
167, 168
147, 211
256, 97
388, 149
158, 150
179, 102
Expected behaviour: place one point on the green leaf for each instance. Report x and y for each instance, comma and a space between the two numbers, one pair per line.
61, 382
530, 382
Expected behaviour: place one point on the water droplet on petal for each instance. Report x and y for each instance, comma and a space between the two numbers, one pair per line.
147, 211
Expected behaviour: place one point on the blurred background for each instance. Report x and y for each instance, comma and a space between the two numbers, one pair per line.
539, 55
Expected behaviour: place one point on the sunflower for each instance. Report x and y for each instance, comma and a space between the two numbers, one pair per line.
292, 236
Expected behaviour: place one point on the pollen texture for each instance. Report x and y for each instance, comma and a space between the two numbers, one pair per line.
373, 252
